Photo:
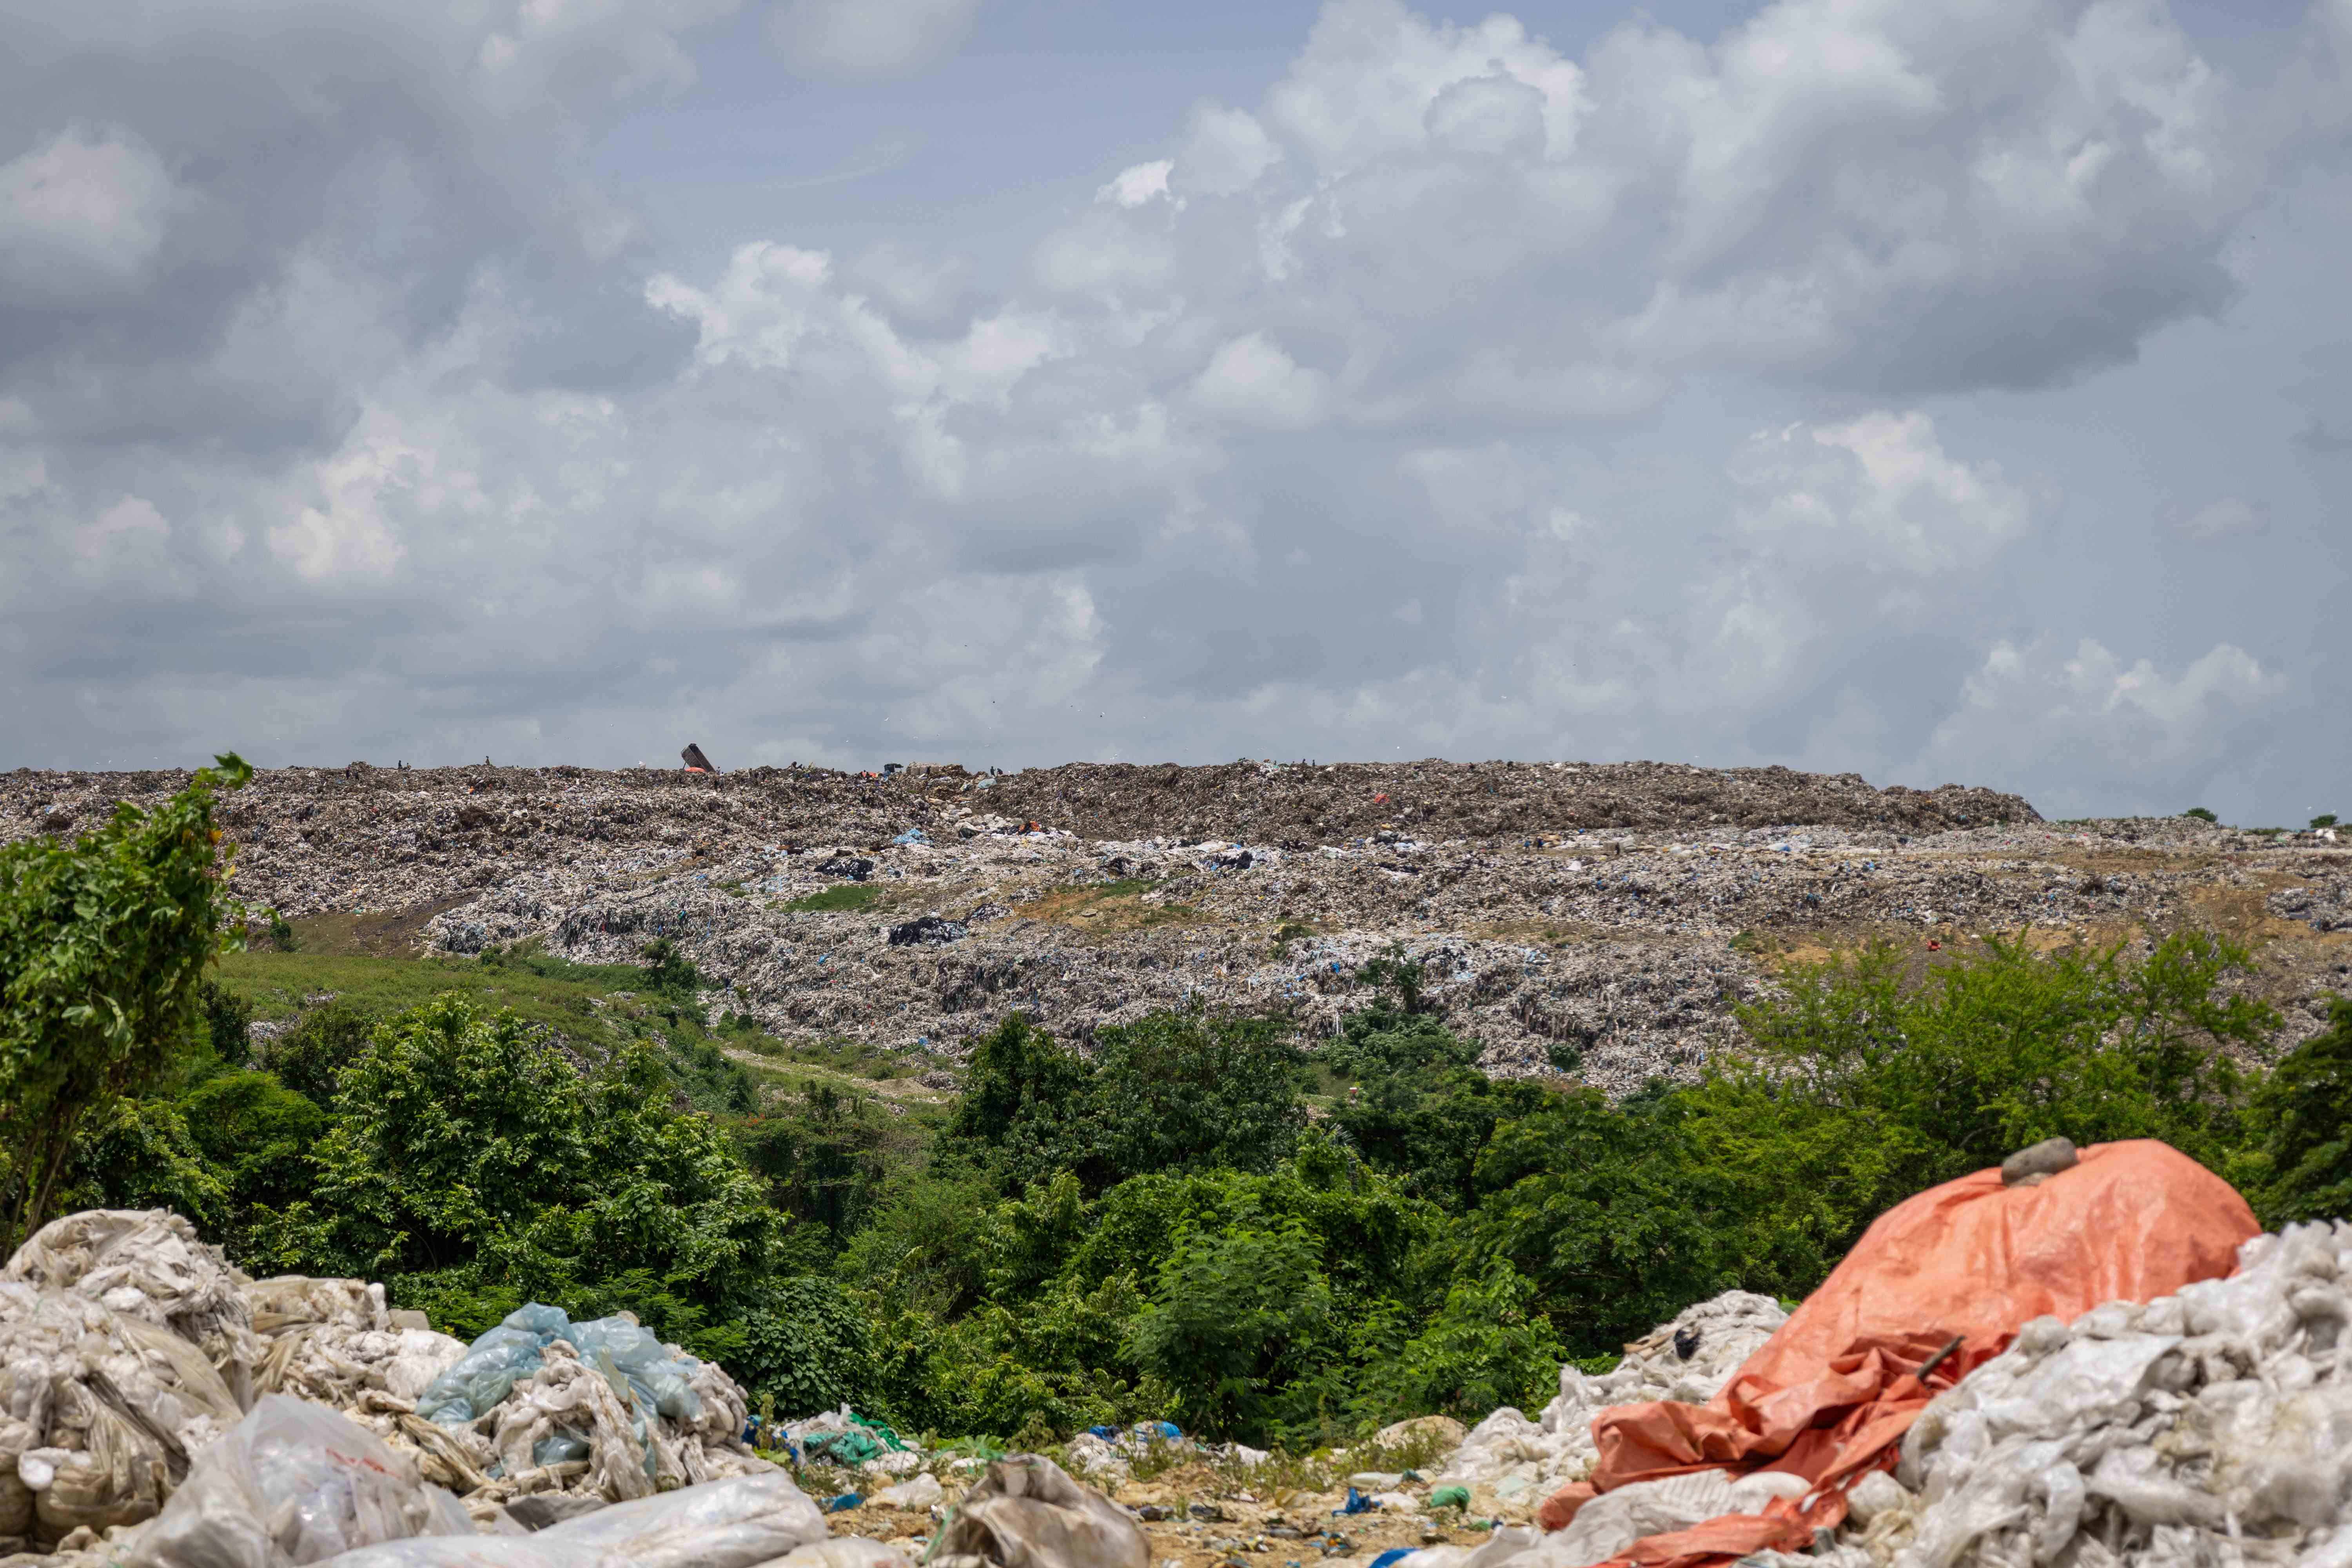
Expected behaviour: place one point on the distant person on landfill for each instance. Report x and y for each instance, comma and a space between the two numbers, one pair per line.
696, 762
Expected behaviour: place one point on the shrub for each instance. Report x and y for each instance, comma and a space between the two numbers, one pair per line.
1242, 1318
2304, 1169
467, 1158
808, 1347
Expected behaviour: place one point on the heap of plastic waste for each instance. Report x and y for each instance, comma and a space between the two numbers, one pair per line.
1687, 1359
2211, 1425
129, 1348
846, 1440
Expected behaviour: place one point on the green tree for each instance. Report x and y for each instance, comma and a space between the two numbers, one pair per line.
822, 1156
1485, 1347
1420, 1109
1241, 1319
104, 947
469, 1159
1609, 1210
1172, 1090
2305, 1109
1185, 1092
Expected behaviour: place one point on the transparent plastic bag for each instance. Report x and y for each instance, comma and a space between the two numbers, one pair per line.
493, 1365
293, 1483
721, 1524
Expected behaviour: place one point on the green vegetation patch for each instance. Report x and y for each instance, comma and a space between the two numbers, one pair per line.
847, 896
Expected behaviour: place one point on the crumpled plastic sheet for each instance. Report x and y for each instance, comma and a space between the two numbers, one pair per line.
101, 1412
1688, 1359
331, 1339
843, 1437
2211, 1425
636, 1416
152, 1265
733, 1523
844, 1551
1027, 1513
293, 1483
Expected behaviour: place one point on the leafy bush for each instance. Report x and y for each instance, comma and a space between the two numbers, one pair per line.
2200, 813
1239, 1326
309, 1057
807, 1347
821, 1157
467, 1160
228, 1023
668, 971
2303, 1165
1487, 1347
104, 945
1172, 1090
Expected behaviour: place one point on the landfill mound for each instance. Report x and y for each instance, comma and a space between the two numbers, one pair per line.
1603, 920
1301, 804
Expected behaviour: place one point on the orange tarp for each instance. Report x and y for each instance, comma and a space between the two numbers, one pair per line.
1830, 1393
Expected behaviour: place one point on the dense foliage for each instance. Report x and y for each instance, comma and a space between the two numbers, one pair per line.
103, 942
1198, 1217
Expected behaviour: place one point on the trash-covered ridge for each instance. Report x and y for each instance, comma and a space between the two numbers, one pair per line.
1565, 913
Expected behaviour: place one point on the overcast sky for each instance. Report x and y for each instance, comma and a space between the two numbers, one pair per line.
1940, 390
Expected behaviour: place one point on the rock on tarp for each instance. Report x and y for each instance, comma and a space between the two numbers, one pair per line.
1830, 1396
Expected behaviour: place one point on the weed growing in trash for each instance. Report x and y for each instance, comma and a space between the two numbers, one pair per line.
847, 897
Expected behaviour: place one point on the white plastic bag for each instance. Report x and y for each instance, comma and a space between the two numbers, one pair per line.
723, 1524
293, 1483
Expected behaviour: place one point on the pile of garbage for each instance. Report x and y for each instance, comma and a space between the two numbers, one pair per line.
2211, 1426
128, 1349
2128, 1373
1571, 917
2208, 1426
1508, 1459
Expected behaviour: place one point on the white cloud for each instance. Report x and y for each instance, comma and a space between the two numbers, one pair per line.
1134, 186
82, 214
2087, 730
131, 529
1878, 491
1225, 151
1251, 380
2226, 518
867, 40
1402, 407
